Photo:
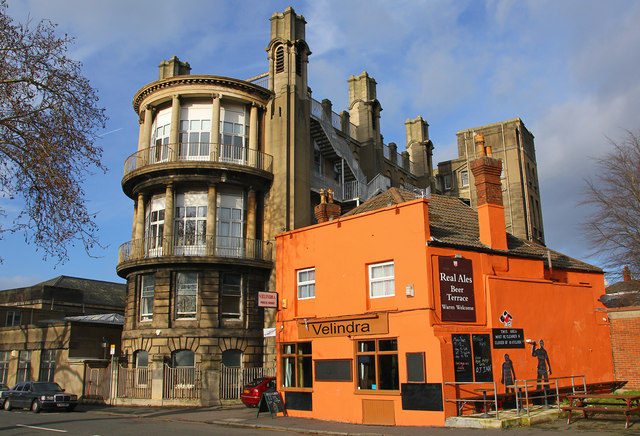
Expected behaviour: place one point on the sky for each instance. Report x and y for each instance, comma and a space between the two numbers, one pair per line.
567, 68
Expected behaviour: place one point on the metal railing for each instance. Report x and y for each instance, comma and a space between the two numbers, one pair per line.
198, 152
181, 383
233, 379
543, 397
260, 80
220, 246
379, 183
134, 382
471, 396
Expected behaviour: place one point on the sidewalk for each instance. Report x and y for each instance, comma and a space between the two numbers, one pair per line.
242, 417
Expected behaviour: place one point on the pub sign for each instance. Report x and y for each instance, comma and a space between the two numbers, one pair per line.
457, 302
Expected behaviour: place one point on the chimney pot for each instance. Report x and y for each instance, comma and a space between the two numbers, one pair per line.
626, 273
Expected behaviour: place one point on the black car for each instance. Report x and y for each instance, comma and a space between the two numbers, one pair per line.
38, 396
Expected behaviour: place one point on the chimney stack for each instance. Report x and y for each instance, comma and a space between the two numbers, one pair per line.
626, 273
486, 171
327, 210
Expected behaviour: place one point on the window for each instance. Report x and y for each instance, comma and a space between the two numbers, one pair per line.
415, 368
381, 280
186, 294
24, 366
161, 130
317, 159
4, 366
154, 226
147, 288
447, 181
190, 224
464, 179
377, 361
279, 59
184, 364
47, 365
296, 365
230, 224
183, 359
231, 296
233, 133
307, 283
232, 358
14, 318
195, 131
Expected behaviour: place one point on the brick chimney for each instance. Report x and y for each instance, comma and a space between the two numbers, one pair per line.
486, 171
626, 273
327, 210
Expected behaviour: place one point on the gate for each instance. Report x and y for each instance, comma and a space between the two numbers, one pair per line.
232, 379
97, 383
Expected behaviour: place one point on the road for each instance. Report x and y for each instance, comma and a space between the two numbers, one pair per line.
19, 422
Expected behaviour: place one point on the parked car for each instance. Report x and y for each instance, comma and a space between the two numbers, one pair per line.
3, 387
252, 392
38, 396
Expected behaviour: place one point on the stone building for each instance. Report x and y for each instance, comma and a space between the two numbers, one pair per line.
221, 166
58, 330
511, 142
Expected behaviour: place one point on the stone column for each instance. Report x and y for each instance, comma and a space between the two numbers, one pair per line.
252, 156
251, 224
211, 220
174, 134
157, 377
148, 126
215, 127
138, 241
167, 243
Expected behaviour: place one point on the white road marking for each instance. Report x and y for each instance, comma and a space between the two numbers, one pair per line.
41, 428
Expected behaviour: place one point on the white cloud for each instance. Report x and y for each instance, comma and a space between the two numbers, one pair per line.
18, 281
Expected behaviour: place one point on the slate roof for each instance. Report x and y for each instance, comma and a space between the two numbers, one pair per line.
105, 318
86, 291
454, 224
624, 286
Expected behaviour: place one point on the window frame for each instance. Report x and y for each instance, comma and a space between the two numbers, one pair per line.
464, 179
446, 182
5, 358
224, 293
306, 283
23, 370
15, 316
391, 279
377, 353
47, 365
184, 293
302, 365
150, 295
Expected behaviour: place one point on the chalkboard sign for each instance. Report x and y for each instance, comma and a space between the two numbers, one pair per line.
271, 402
482, 364
421, 396
462, 357
334, 370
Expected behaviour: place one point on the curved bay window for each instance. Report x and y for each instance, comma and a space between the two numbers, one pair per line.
296, 365
190, 224
230, 224
195, 131
377, 362
147, 291
161, 130
186, 295
234, 132
154, 226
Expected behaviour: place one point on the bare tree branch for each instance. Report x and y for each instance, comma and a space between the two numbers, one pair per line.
613, 192
49, 123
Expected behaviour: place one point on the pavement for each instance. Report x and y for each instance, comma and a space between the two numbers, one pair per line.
243, 417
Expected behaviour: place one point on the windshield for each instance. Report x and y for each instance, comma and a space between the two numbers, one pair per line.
46, 387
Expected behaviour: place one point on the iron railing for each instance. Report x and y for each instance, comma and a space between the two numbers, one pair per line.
198, 152
233, 379
219, 246
134, 382
182, 383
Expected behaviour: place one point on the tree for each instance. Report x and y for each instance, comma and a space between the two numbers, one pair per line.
613, 192
49, 123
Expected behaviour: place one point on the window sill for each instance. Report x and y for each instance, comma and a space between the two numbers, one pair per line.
376, 392
292, 389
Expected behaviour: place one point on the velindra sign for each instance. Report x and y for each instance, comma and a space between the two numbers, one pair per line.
457, 301
267, 299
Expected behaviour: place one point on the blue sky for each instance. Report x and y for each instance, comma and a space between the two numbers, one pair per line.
567, 68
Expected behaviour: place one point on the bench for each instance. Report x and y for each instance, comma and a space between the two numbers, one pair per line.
584, 402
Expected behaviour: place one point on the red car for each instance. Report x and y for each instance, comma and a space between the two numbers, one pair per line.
252, 392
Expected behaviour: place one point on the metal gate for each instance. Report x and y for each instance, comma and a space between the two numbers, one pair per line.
97, 383
232, 379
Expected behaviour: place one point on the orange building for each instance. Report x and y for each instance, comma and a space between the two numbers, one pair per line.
382, 309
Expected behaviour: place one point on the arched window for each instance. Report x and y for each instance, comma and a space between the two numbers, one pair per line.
279, 59
183, 359
141, 359
232, 358
142, 372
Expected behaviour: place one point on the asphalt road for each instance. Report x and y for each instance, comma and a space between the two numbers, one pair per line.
19, 422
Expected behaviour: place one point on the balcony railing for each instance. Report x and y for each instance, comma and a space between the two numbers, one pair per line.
218, 246
201, 152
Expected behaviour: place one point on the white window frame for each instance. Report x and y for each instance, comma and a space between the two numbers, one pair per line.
195, 131
185, 291
308, 284
386, 280
464, 178
446, 181
147, 291
233, 291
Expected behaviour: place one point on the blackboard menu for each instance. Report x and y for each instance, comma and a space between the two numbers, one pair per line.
271, 402
462, 357
482, 364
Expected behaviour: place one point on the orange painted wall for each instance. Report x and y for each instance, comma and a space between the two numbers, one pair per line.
563, 314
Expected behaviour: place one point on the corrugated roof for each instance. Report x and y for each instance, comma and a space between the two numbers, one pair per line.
454, 224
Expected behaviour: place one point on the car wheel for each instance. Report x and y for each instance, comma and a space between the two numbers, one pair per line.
70, 408
7, 405
36, 406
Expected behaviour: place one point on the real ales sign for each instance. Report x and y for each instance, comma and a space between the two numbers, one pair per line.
456, 289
